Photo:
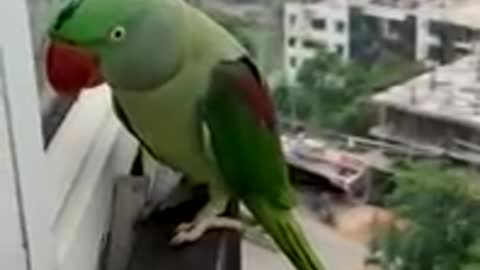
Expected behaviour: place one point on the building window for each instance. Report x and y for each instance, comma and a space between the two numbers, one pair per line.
313, 44
435, 28
465, 34
394, 29
292, 42
293, 62
293, 19
339, 49
340, 26
394, 26
434, 53
319, 24
461, 52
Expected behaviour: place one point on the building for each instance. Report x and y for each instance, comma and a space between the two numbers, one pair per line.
311, 26
438, 111
433, 31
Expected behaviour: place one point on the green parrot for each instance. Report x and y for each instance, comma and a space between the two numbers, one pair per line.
194, 98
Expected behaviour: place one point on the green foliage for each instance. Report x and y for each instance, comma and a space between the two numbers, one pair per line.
338, 92
441, 205
292, 101
281, 97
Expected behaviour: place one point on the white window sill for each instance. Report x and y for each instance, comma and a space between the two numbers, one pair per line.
71, 145
89, 150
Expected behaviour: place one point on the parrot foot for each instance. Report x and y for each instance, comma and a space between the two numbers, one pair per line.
191, 232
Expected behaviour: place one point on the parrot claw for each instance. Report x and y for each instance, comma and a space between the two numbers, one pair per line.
191, 232
259, 237
184, 227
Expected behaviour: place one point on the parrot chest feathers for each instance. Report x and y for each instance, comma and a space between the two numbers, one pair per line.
168, 123
167, 120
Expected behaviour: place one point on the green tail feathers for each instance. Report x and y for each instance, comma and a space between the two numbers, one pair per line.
287, 233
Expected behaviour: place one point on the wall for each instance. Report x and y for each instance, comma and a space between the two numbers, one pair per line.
12, 254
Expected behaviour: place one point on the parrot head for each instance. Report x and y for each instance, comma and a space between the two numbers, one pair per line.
130, 44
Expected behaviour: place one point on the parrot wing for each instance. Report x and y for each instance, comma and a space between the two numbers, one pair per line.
242, 128
244, 141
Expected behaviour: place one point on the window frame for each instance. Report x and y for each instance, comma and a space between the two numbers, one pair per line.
340, 27
322, 26
23, 115
64, 182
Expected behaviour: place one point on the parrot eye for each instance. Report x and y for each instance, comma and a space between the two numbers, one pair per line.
118, 33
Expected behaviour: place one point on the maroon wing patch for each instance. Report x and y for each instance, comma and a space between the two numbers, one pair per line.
255, 92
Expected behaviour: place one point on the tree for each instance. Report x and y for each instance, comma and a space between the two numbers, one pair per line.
336, 93
441, 205
292, 102
339, 91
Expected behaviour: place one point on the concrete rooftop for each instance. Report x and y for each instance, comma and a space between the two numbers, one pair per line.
460, 12
456, 96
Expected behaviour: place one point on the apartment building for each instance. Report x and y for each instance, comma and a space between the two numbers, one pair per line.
434, 31
311, 26
438, 111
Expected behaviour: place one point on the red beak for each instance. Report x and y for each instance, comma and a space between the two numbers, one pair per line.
70, 69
